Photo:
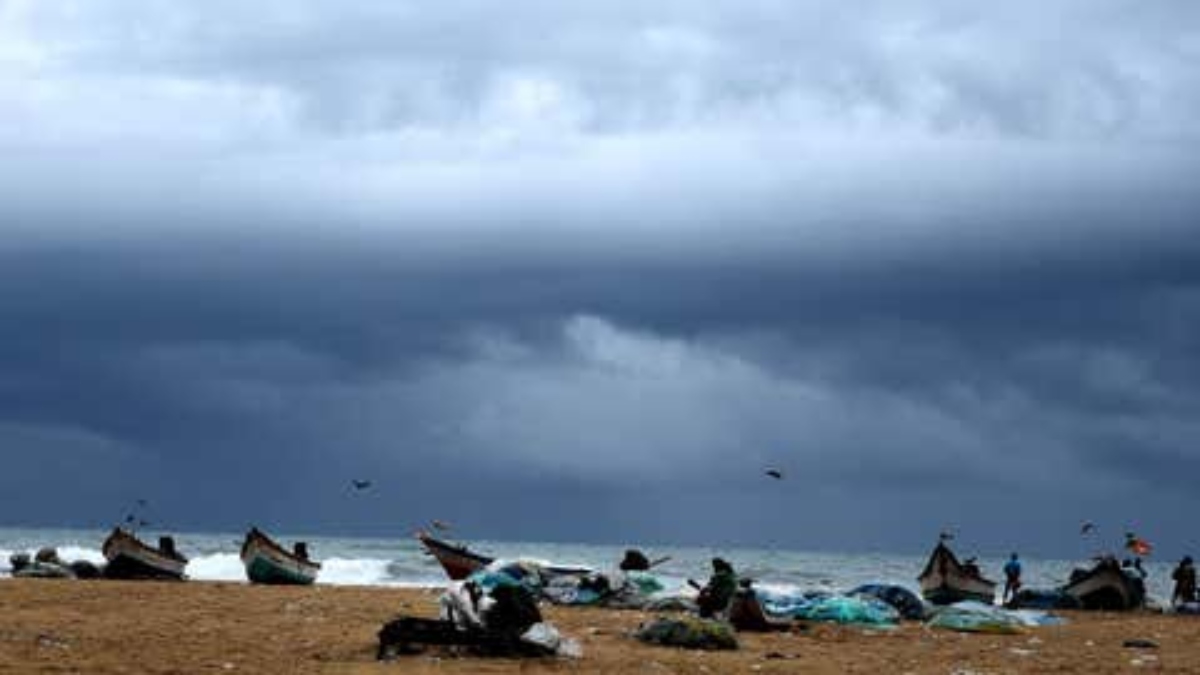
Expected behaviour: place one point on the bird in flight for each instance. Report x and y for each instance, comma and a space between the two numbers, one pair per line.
774, 473
1087, 528
360, 484
945, 536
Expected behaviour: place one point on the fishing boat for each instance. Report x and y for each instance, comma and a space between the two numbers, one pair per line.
1106, 586
130, 558
269, 563
945, 580
459, 562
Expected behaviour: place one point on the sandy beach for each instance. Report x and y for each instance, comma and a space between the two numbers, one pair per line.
51, 626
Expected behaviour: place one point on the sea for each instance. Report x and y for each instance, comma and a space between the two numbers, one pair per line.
400, 562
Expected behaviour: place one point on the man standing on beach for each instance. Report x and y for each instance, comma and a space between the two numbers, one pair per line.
1012, 579
1185, 582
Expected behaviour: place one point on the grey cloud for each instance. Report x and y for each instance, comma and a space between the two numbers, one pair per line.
605, 260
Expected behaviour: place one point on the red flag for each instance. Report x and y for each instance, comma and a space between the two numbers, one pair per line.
1138, 546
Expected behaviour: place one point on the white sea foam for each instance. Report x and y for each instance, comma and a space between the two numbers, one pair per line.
217, 567
356, 572
73, 553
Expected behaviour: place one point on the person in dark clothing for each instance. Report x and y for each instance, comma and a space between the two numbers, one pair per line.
1185, 582
634, 561
1136, 574
718, 593
1012, 579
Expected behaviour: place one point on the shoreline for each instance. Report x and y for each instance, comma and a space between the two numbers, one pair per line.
217, 626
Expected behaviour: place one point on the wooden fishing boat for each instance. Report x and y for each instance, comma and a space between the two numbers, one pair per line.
129, 558
945, 580
459, 562
268, 563
1107, 587
455, 559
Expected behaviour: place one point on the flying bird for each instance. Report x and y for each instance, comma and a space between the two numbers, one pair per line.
774, 473
1087, 528
945, 536
360, 484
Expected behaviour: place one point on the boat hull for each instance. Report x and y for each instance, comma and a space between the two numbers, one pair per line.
946, 581
458, 562
1106, 587
268, 563
129, 558
948, 595
264, 570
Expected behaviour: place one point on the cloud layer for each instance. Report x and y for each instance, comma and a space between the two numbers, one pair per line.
602, 264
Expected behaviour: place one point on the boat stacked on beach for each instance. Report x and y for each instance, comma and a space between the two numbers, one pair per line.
269, 563
945, 580
130, 558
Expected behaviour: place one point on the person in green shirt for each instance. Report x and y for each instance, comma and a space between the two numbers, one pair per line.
718, 593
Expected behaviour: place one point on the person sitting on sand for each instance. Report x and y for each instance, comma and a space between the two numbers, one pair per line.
715, 597
1185, 582
1012, 579
634, 561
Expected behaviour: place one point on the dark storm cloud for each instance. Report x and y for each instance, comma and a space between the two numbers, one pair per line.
603, 263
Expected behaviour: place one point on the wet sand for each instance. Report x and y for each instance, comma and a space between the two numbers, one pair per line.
49, 626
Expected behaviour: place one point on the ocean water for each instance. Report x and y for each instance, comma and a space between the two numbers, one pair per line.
402, 562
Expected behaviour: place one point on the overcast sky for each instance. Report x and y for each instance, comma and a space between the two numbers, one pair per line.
582, 271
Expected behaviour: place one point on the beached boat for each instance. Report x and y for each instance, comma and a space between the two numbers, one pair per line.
945, 580
268, 563
459, 562
1106, 586
129, 558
